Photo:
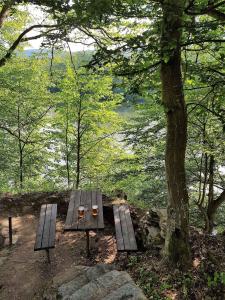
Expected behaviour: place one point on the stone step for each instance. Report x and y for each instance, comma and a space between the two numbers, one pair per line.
82, 278
102, 286
128, 291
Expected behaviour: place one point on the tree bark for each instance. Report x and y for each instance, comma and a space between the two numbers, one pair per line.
177, 247
4, 13
78, 143
67, 147
210, 222
20, 149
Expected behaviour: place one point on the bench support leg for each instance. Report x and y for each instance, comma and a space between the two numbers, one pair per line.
10, 231
48, 256
88, 243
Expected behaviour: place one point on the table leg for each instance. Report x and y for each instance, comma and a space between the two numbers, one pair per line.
88, 247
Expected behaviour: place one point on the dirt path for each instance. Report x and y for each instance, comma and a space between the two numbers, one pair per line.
25, 274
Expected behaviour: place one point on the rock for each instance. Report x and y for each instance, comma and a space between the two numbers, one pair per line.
127, 291
98, 271
153, 235
102, 286
69, 288
81, 278
152, 229
68, 275
100, 282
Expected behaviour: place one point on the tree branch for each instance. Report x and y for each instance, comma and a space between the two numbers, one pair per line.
20, 38
211, 10
134, 72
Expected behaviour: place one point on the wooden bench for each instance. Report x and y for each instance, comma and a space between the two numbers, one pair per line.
45, 238
125, 236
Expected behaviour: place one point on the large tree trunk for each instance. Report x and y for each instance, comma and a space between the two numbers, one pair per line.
4, 13
177, 241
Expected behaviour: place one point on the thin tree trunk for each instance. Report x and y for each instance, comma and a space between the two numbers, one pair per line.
177, 247
78, 144
205, 179
211, 192
21, 165
67, 148
20, 149
200, 181
203, 184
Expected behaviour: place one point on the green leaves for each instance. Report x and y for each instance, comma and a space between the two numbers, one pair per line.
85, 123
25, 104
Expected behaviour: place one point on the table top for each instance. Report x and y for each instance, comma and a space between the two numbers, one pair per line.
88, 222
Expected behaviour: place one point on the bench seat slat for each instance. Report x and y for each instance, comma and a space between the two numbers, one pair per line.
45, 238
51, 241
41, 224
124, 227
125, 235
131, 234
46, 230
119, 236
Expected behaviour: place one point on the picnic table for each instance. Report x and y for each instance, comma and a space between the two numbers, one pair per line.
88, 222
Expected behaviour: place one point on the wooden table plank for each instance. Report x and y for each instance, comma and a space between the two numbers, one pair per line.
130, 228
77, 203
94, 222
88, 219
51, 243
41, 224
100, 211
72, 213
119, 236
69, 217
83, 200
87, 198
124, 227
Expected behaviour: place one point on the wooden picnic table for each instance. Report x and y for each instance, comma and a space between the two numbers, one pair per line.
88, 222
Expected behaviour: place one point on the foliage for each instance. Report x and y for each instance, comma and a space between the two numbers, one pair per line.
87, 122
25, 103
141, 175
39, 126
217, 279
